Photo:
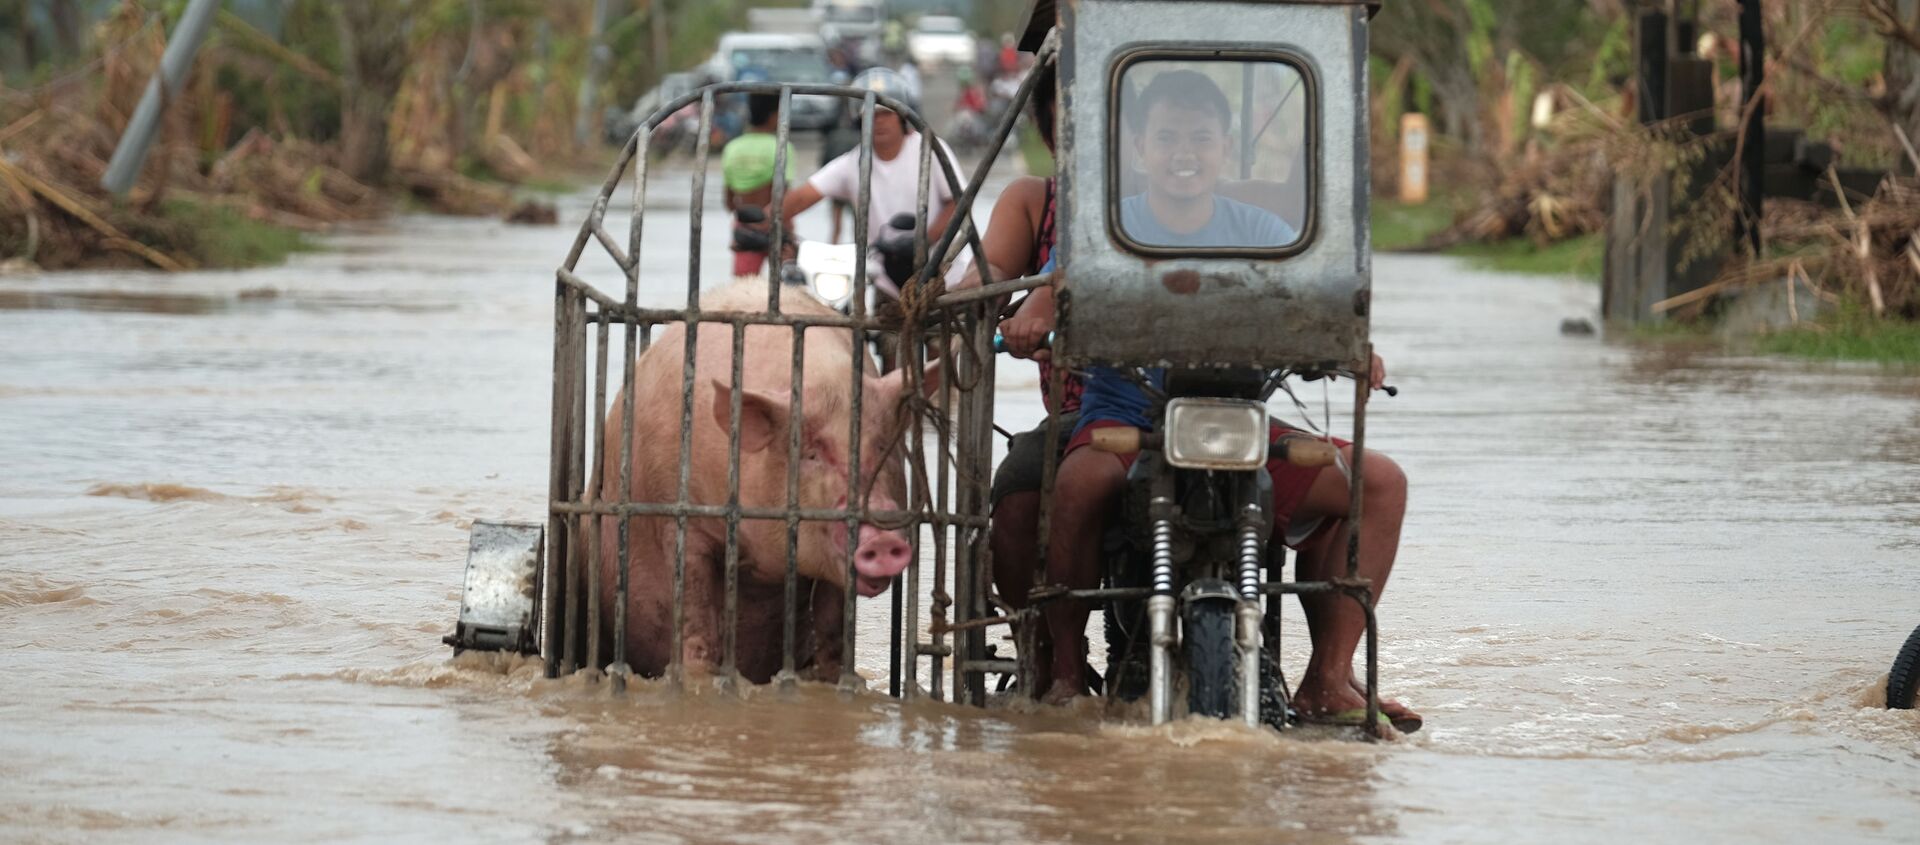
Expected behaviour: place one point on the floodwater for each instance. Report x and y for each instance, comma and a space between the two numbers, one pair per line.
1643, 594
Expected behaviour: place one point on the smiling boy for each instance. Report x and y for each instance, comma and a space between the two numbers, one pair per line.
1179, 124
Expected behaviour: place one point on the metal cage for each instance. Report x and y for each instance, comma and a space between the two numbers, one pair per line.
947, 449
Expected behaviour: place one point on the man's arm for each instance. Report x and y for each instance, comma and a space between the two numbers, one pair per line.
829, 181
1009, 242
797, 201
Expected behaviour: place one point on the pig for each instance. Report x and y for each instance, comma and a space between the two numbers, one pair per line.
765, 417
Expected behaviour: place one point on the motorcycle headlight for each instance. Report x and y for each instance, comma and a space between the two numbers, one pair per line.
1224, 434
833, 287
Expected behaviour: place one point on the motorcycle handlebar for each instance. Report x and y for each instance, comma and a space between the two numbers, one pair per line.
1000, 342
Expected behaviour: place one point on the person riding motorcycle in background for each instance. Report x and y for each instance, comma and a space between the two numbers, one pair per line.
747, 167
895, 186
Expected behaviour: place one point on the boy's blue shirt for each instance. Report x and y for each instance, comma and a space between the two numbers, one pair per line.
1111, 395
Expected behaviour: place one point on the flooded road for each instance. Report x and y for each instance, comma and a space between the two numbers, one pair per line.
1643, 593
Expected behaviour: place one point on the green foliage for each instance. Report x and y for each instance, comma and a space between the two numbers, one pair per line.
1399, 228
1582, 256
221, 237
1849, 335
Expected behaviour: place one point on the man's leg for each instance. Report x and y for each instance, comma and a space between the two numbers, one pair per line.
1335, 622
1089, 484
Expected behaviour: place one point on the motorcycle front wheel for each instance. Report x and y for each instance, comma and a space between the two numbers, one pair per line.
1212, 658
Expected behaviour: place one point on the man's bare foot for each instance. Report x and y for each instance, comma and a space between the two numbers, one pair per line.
1320, 699
1062, 692
1323, 701
1404, 719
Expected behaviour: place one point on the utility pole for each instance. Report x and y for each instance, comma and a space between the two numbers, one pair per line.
131, 154
1753, 127
657, 17
583, 120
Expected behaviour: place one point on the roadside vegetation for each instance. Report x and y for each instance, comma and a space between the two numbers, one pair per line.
299, 116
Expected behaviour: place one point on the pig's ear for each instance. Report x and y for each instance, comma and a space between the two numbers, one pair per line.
896, 381
762, 416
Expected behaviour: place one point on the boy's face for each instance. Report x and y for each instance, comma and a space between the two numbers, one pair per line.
887, 129
1182, 149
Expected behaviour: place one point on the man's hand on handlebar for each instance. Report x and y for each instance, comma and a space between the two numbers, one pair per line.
1027, 334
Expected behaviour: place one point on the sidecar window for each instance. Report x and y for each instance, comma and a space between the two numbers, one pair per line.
1211, 155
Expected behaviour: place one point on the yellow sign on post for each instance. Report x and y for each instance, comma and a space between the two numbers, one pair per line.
1413, 159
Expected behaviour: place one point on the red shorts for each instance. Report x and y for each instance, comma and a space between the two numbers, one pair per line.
1290, 483
748, 263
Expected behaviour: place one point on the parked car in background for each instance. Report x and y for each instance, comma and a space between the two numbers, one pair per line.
941, 39
778, 57
860, 20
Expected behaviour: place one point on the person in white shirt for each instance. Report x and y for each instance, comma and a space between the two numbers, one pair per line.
895, 186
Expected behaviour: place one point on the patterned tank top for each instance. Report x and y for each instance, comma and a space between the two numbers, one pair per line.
1071, 388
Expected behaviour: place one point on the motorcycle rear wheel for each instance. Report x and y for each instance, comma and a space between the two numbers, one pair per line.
1212, 658
1903, 683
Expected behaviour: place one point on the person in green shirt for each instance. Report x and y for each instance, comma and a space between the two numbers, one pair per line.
747, 166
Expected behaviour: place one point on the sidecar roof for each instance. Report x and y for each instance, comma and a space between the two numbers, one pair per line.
1041, 16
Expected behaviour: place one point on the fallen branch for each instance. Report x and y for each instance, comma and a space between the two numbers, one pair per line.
65, 202
21, 125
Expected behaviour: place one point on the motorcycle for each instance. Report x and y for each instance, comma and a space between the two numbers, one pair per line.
1193, 546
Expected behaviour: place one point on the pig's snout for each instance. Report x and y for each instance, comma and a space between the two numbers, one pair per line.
880, 556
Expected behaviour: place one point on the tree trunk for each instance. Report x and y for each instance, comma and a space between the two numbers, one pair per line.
373, 55
1903, 77
67, 27
23, 15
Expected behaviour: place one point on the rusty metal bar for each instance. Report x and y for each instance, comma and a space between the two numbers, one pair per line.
982, 668
906, 668
980, 549
1104, 594
550, 622
636, 339
955, 299
642, 140
848, 677
729, 665
941, 577
576, 457
778, 248
696, 208
1356, 483
612, 310
883, 519
613, 249
599, 483
606, 189
794, 427
1364, 596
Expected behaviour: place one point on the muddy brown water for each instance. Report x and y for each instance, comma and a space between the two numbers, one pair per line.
1643, 594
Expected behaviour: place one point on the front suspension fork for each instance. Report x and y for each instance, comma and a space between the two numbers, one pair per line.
1160, 616
1249, 617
